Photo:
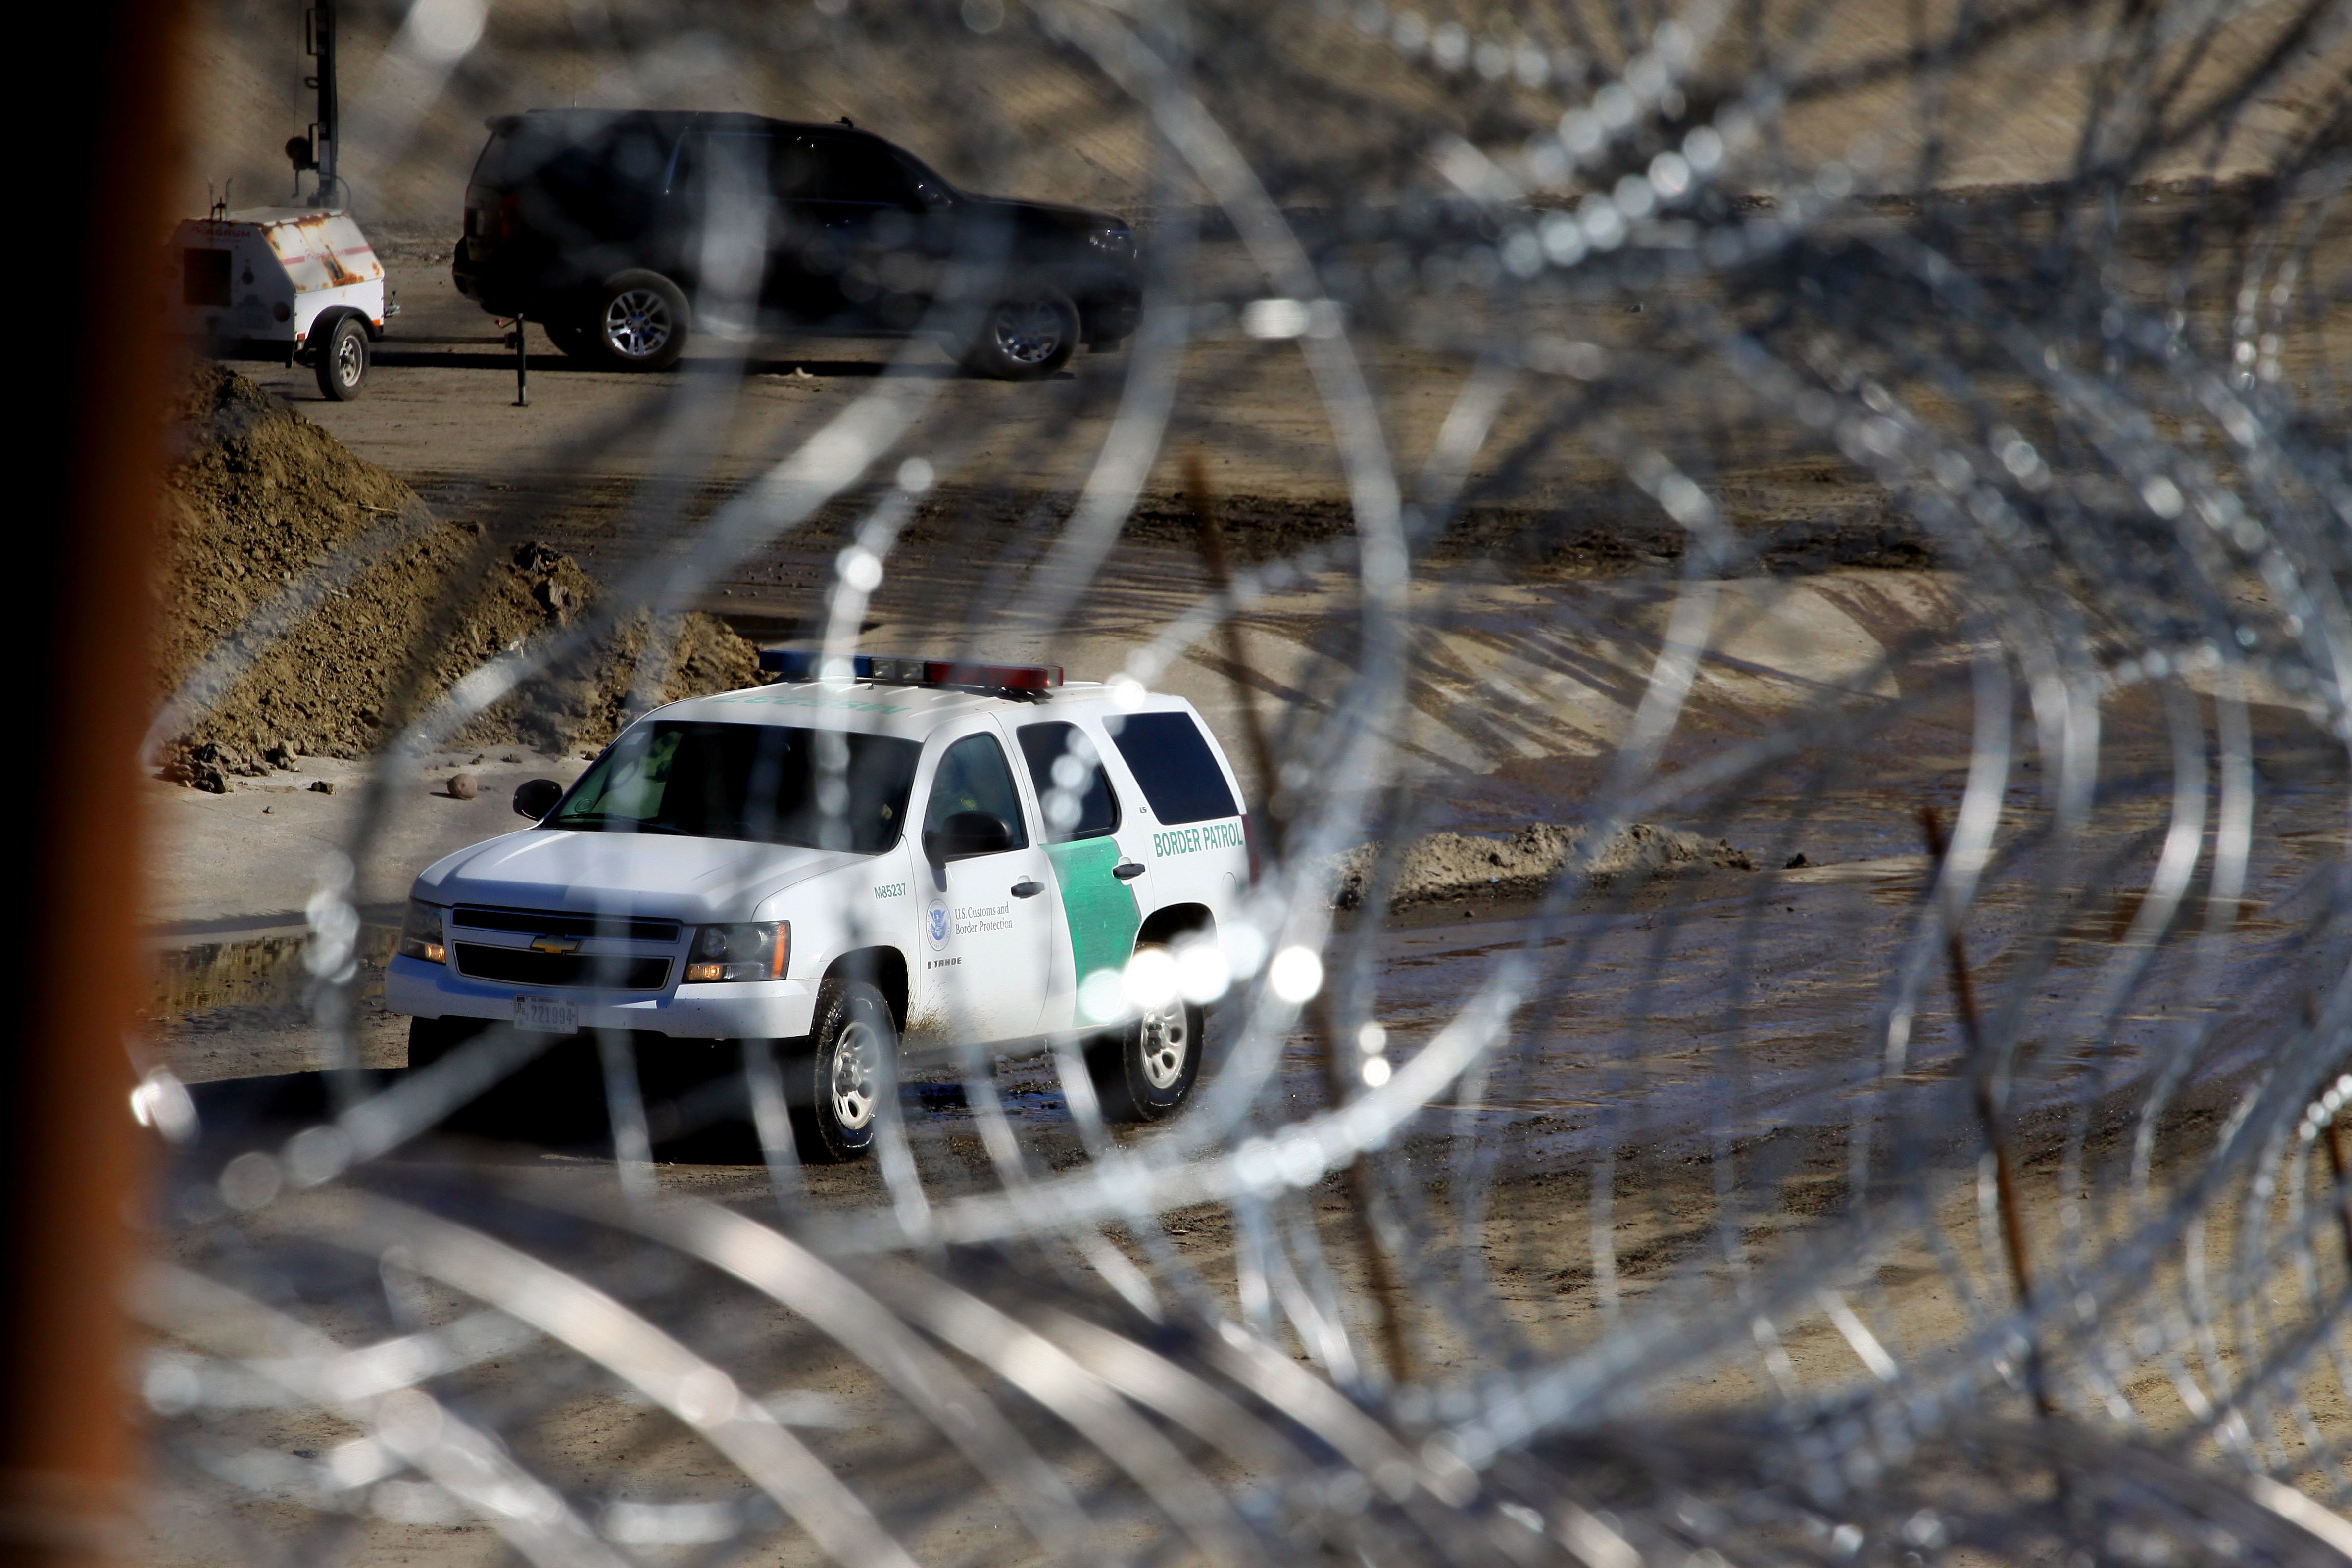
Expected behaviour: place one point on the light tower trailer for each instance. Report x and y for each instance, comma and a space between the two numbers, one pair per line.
304, 277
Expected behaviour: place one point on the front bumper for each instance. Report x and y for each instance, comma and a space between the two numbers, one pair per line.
743, 1010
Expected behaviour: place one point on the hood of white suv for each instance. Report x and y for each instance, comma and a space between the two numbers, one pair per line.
640, 873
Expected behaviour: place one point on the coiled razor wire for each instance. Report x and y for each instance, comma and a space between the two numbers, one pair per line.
1977, 1196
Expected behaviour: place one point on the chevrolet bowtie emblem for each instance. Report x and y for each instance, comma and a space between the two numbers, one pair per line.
555, 944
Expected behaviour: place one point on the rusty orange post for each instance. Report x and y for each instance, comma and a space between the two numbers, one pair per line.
96, 159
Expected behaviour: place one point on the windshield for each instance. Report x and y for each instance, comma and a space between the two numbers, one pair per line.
763, 783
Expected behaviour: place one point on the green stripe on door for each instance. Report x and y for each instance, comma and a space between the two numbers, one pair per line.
1099, 907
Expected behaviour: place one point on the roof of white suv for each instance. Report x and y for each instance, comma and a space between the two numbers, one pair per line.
872, 707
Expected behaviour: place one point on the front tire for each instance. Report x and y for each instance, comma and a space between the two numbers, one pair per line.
1146, 1070
639, 323
340, 361
1025, 338
849, 1067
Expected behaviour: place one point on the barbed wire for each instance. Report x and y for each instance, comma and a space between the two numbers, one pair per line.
1972, 1192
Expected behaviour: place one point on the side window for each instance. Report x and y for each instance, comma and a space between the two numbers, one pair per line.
1170, 759
1072, 787
795, 171
855, 170
725, 166
973, 776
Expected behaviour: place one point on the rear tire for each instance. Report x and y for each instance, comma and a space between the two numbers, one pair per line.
1146, 1070
639, 322
572, 339
849, 1065
1025, 337
340, 360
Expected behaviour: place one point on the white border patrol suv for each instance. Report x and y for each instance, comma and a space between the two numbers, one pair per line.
946, 854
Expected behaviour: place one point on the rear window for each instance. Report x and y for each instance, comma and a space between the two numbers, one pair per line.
1171, 760
578, 158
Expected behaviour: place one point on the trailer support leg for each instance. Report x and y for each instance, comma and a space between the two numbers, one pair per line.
522, 368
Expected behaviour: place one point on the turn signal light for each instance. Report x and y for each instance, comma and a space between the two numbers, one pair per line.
422, 936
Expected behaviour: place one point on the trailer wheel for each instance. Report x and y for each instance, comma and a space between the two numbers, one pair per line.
341, 360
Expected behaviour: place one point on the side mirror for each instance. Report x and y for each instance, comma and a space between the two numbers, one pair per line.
965, 835
300, 154
537, 798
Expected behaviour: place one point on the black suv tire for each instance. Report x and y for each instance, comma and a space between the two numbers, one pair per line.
572, 340
639, 322
1025, 336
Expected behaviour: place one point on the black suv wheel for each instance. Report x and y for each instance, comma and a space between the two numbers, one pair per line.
1025, 338
639, 323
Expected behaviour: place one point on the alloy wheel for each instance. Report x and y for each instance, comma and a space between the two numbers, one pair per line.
1028, 332
637, 323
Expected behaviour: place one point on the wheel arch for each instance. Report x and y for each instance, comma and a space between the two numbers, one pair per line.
1170, 921
322, 325
884, 968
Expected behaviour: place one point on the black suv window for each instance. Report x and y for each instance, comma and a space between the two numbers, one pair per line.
794, 168
852, 169
629, 153
1171, 760
1072, 787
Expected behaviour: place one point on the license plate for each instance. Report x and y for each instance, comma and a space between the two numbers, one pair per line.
547, 1015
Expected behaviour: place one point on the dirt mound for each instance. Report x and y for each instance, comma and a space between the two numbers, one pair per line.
301, 581
1522, 865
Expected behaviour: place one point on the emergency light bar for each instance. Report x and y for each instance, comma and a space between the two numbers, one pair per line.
802, 663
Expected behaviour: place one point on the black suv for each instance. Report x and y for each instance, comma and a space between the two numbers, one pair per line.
603, 227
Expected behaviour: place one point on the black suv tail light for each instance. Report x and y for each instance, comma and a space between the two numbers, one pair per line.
492, 216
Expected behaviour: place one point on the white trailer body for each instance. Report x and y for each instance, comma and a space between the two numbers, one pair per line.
269, 274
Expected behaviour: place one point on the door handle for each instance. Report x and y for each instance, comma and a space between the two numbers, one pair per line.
1127, 871
1026, 889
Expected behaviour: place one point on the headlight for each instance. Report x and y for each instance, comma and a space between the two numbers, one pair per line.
421, 935
1120, 242
756, 952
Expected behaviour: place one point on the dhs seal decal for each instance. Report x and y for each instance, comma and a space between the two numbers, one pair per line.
935, 924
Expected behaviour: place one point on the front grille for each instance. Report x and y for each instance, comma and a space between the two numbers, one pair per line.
520, 966
548, 922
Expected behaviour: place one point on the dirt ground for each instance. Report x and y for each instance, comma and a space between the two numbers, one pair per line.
1751, 982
